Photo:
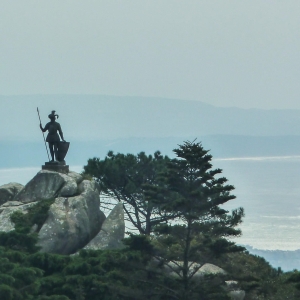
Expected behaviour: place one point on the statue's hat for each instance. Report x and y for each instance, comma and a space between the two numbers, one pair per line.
53, 115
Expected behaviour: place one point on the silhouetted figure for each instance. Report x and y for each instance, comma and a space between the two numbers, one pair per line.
53, 138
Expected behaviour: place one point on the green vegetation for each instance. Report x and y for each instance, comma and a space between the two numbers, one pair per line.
124, 178
193, 192
36, 215
257, 277
22, 238
176, 206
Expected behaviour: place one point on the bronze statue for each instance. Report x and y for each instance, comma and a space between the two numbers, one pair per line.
53, 138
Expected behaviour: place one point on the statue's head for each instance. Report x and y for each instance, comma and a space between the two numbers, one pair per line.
53, 116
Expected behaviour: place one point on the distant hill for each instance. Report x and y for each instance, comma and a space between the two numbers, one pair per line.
287, 260
95, 124
91, 117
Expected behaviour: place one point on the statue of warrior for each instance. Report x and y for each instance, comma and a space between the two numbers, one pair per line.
52, 138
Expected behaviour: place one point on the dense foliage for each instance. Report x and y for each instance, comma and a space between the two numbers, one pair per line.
176, 205
124, 178
24, 237
257, 277
129, 274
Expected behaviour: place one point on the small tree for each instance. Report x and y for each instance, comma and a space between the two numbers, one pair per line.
124, 178
194, 192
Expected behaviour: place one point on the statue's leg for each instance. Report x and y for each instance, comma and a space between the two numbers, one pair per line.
55, 146
51, 150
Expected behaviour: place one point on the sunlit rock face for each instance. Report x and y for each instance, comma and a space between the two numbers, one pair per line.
46, 185
111, 233
9, 191
74, 218
174, 268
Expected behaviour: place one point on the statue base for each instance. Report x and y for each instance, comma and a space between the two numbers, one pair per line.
56, 166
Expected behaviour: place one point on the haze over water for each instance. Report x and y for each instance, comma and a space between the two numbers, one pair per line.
269, 190
267, 187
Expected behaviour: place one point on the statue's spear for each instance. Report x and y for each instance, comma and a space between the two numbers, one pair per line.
43, 133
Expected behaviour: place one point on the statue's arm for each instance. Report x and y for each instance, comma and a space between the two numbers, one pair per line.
43, 129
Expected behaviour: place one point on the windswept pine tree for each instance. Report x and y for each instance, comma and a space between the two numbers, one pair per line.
195, 193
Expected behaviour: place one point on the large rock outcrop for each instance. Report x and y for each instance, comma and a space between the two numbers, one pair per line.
74, 219
111, 233
71, 224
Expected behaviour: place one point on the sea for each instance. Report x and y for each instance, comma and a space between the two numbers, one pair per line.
268, 188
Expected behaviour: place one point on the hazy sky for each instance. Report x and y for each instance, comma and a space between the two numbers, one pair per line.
226, 53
